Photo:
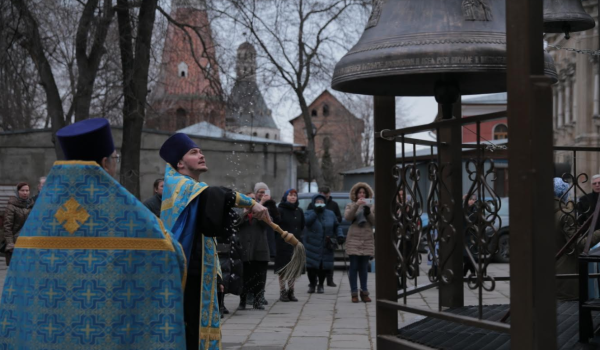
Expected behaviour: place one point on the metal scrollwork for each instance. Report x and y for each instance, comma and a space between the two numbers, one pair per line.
482, 223
406, 210
440, 230
573, 212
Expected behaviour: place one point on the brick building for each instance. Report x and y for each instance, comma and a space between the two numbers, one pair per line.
335, 128
491, 130
189, 88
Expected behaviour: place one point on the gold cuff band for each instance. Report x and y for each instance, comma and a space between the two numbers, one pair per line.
102, 243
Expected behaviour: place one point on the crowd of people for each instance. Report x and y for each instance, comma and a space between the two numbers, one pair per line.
209, 241
245, 256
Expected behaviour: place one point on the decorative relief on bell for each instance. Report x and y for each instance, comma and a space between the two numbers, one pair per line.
375, 14
477, 10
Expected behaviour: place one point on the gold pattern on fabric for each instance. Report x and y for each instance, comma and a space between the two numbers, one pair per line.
102, 243
170, 202
209, 333
185, 265
76, 162
243, 201
71, 215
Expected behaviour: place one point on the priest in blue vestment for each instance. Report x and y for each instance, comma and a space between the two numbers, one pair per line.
197, 213
93, 268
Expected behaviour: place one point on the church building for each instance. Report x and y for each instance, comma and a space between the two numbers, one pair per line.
247, 112
189, 89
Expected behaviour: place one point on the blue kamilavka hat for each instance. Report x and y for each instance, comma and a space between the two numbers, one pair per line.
88, 139
175, 148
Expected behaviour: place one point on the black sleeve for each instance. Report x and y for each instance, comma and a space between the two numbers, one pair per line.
272, 207
337, 212
215, 216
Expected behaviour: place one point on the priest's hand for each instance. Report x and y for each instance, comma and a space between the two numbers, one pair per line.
260, 212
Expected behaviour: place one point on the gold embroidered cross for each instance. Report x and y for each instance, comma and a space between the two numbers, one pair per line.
71, 215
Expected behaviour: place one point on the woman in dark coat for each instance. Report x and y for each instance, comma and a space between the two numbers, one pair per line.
255, 255
290, 219
323, 231
16, 214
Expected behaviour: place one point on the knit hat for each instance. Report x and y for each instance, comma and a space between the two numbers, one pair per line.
260, 186
560, 188
285, 195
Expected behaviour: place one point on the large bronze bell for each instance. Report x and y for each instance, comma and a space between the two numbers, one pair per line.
429, 48
566, 16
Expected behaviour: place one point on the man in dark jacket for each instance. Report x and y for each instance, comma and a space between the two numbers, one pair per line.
255, 256
332, 205
587, 203
40, 185
153, 203
263, 196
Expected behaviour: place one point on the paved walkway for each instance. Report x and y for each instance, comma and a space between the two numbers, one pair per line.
323, 321
329, 320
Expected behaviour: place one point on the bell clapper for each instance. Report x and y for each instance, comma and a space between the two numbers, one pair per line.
446, 93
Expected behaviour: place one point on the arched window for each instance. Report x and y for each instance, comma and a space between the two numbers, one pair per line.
181, 120
254, 134
500, 132
267, 136
182, 68
313, 113
326, 142
325, 110
276, 137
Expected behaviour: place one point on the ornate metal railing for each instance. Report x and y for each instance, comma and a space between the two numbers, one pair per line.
469, 231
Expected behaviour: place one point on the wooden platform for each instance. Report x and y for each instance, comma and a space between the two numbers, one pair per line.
447, 335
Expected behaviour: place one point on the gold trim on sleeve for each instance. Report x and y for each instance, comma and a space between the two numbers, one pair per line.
101, 243
75, 162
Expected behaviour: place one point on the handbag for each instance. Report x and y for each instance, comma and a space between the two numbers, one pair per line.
330, 244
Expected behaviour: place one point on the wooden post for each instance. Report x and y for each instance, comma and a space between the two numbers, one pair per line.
452, 293
385, 278
532, 265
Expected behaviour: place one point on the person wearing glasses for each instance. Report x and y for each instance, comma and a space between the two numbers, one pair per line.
90, 245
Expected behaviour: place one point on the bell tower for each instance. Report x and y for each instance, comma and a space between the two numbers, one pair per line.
188, 90
246, 62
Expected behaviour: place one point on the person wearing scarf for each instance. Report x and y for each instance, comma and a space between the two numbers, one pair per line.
16, 214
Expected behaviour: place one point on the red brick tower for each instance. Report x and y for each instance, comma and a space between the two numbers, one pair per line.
189, 89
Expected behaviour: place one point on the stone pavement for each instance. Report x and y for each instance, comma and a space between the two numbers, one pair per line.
329, 320
323, 321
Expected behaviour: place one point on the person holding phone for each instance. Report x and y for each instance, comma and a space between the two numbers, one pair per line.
360, 243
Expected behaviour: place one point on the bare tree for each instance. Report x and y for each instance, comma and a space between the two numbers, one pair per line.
30, 27
20, 105
135, 45
298, 40
362, 107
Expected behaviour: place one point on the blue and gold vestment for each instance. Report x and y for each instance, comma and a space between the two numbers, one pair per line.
93, 268
180, 211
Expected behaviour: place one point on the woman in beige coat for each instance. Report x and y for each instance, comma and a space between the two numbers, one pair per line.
360, 243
